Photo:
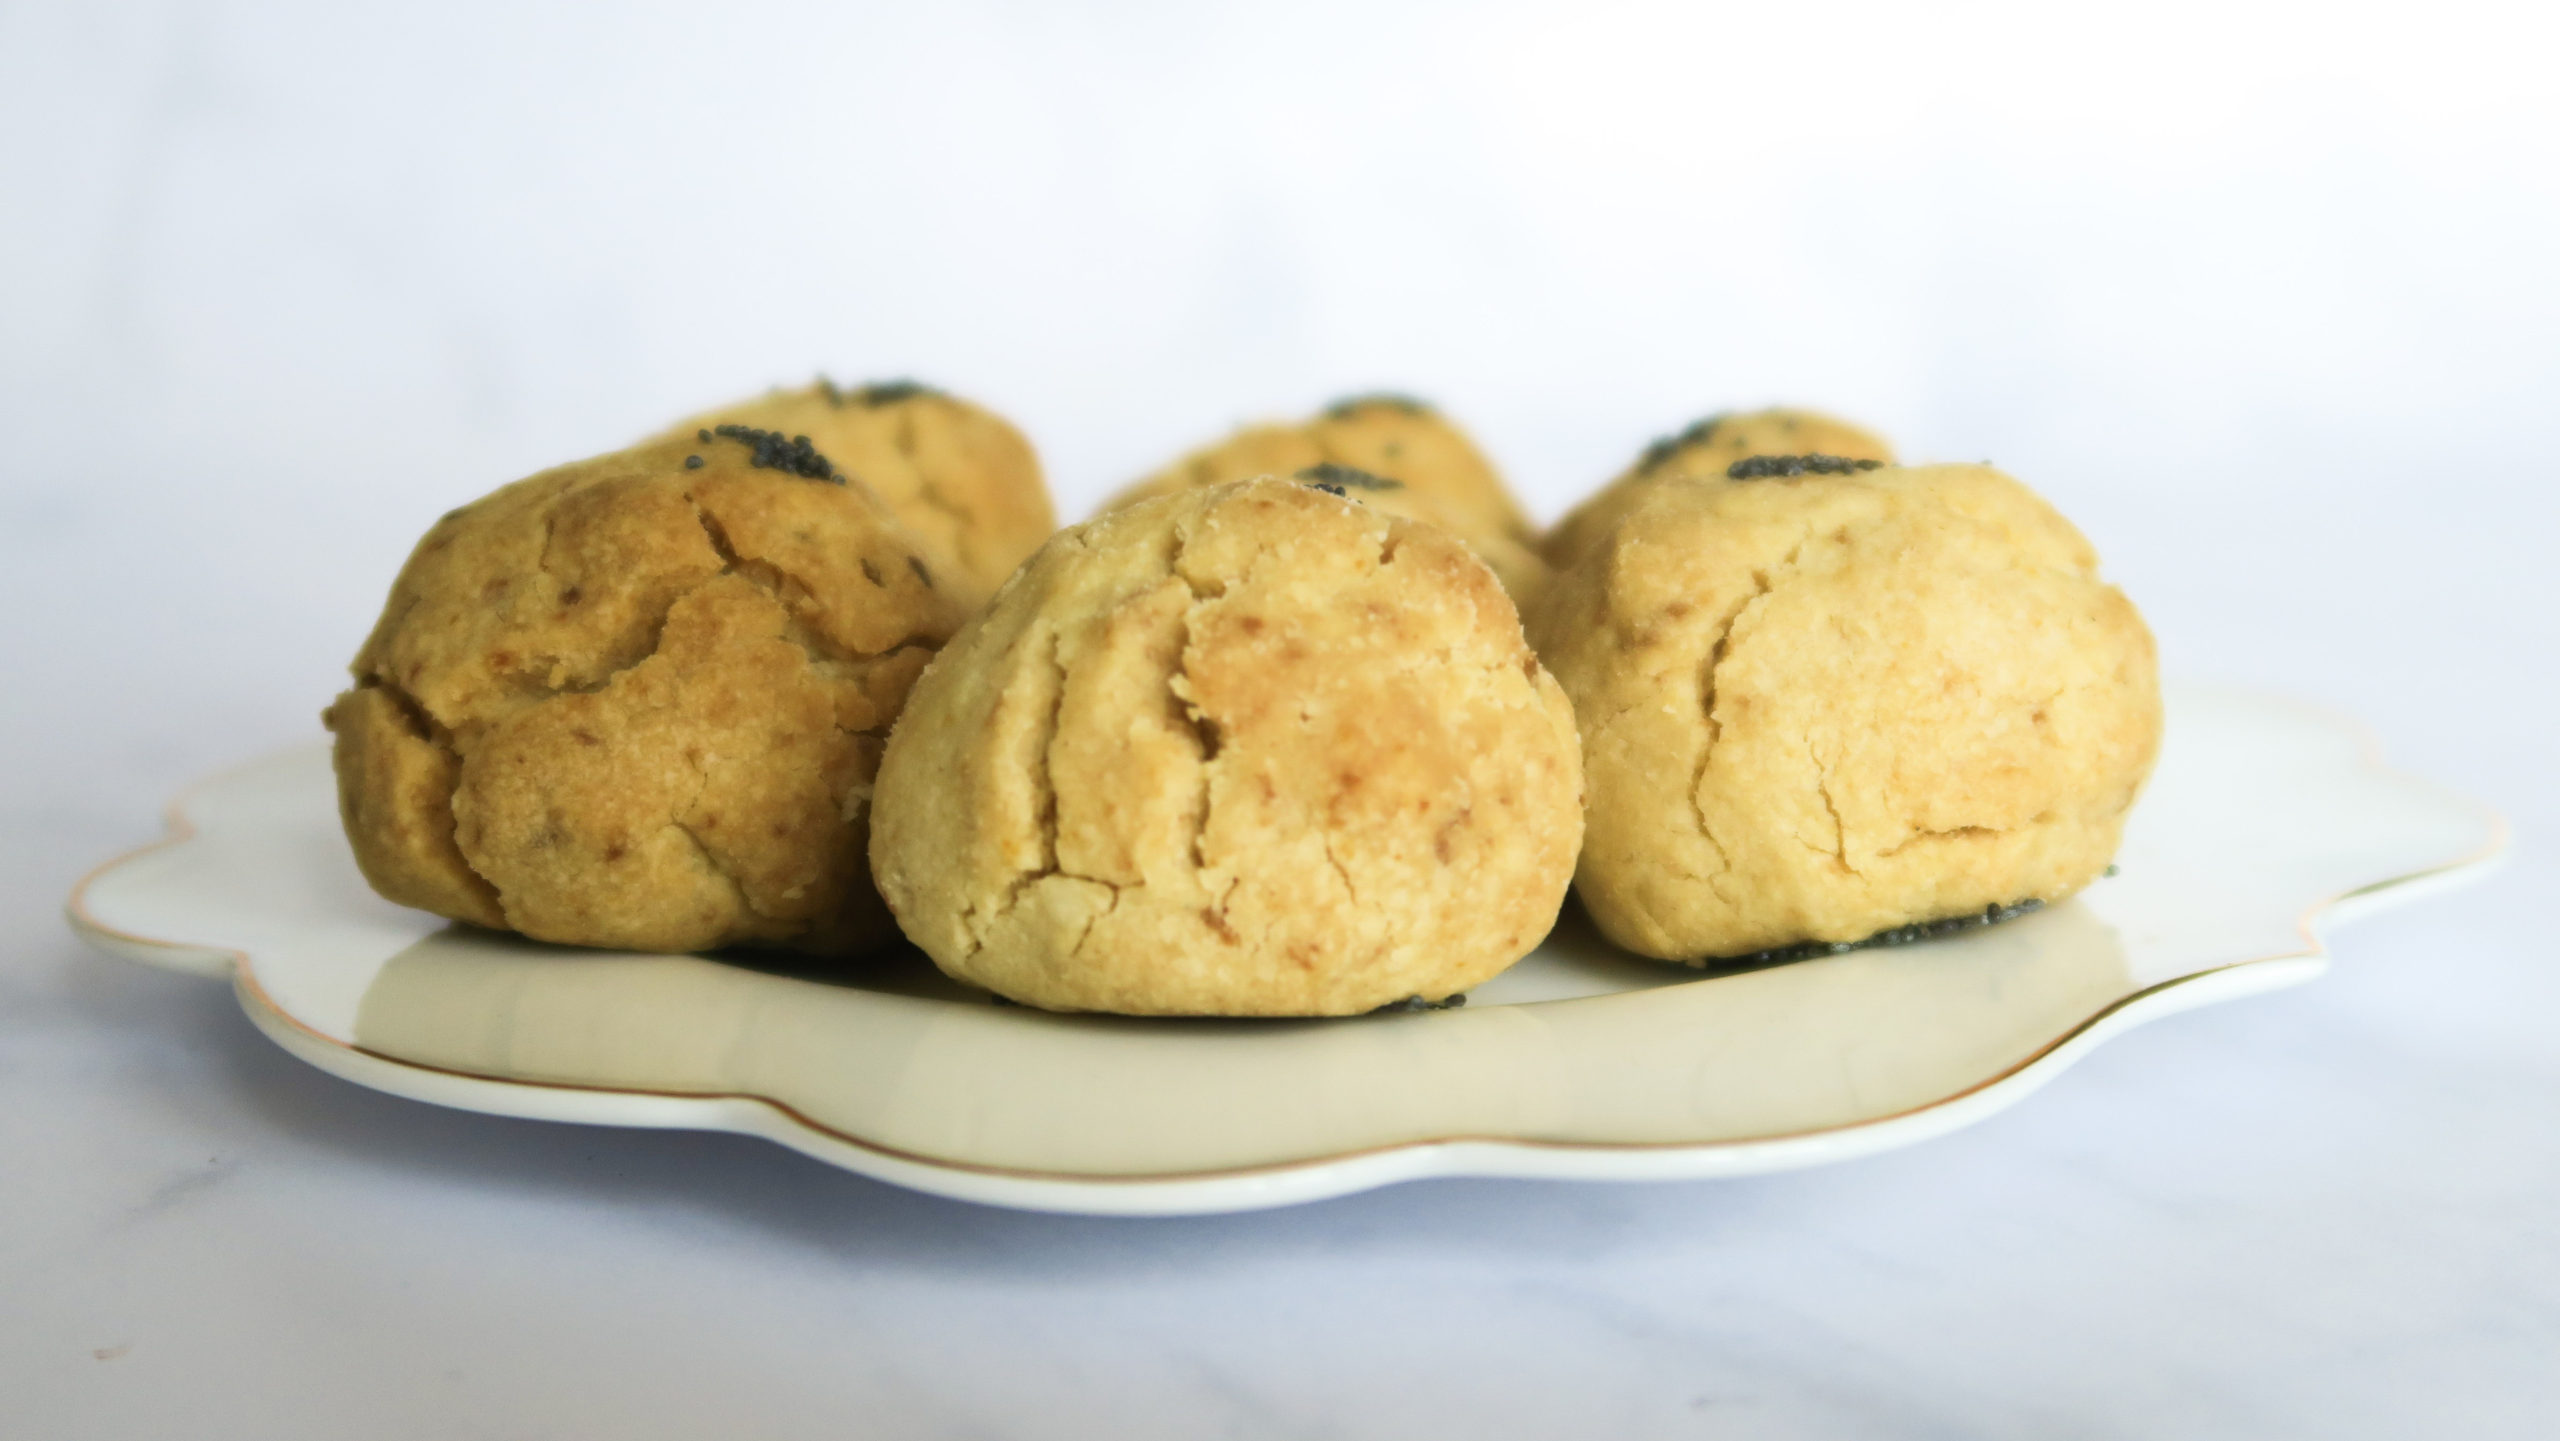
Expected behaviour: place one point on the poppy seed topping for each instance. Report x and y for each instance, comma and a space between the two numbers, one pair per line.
1417, 1003
1698, 433
1898, 936
1385, 400
1339, 478
1759, 467
773, 452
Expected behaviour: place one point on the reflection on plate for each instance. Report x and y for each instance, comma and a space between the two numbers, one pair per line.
1580, 1062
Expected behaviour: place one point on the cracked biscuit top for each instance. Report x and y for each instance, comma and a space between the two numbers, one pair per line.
639, 701
965, 484
1818, 706
1712, 446
1248, 749
1439, 476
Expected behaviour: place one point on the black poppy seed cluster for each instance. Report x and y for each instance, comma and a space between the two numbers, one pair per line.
775, 452
1417, 1003
877, 393
1387, 400
1342, 478
1898, 936
1665, 447
1759, 467
890, 392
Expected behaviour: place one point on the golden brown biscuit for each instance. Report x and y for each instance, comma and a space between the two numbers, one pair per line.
639, 701
1707, 447
965, 484
1816, 706
1434, 474
1243, 750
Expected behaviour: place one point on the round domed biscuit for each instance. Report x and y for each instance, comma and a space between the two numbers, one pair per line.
1828, 702
1708, 447
1243, 750
964, 482
639, 702
1432, 474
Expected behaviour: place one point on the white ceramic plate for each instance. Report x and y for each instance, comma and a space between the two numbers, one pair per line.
1580, 1062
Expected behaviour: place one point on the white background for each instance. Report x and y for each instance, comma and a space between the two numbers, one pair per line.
2263, 296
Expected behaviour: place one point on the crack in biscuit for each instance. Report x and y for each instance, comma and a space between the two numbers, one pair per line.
1044, 808
1045, 783
826, 661
1706, 754
551, 666
1340, 870
1086, 930
1178, 550
786, 590
710, 859
423, 724
1950, 833
1207, 740
789, 592
1764, 583
421, 721
1839, 851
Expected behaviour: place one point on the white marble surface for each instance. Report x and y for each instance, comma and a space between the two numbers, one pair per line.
2285, 346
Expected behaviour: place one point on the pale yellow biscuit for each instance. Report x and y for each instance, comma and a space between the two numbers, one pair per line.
965, 484
1433, 474
1708, 447
639, 702
1243, 750
1819, 706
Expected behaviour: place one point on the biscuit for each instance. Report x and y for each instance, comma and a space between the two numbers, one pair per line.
1822, 702
639, 701
1433, 474
1707, 447
1242, 750
965, 484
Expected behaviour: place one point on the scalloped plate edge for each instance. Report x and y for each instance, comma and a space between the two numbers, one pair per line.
1292, 1182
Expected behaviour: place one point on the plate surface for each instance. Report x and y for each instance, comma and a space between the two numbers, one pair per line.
1581, 1062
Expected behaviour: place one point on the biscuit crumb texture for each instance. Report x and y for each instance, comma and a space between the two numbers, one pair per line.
1712, 446
1441, 478
966, 485
1246, 750
1816, 708
639, 703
